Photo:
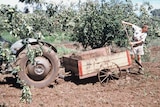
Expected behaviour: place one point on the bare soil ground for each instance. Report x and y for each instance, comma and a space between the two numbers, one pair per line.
130, 90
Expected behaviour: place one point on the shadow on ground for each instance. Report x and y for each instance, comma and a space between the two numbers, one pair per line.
11, 81
77, 81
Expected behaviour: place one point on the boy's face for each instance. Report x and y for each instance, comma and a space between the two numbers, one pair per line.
145, 29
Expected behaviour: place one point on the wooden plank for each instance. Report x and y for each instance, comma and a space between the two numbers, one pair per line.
96, 64
104, 58
91, 66
70, 61
103, 65
71, 65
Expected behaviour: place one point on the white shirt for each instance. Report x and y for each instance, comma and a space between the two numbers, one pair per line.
138, 35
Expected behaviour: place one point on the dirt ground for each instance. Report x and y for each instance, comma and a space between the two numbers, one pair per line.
131, 90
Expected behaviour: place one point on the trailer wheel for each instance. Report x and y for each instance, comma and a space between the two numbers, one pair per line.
111, 73
42, 72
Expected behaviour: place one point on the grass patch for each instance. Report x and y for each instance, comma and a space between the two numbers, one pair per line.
8, 37
63, 51
49, 39
154, 42
58, 37
147, 56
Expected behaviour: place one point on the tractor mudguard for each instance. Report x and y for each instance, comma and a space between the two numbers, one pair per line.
18, 46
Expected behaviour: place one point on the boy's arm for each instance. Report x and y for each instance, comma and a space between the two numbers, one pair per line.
127, 23
141, 41
136, 43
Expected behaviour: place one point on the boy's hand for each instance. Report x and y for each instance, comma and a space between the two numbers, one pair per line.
132, 44
123, 22
127, 23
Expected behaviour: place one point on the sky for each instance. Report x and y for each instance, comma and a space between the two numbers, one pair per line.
154, 3
22, 5
14, 2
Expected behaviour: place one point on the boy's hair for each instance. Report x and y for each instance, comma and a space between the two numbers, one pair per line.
144, 26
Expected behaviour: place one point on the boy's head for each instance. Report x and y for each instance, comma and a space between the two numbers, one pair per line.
144, 28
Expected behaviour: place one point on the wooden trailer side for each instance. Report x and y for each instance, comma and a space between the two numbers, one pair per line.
73, 62
92, 66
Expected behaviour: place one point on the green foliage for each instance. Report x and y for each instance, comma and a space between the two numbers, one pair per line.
147, 56
32, 53
8, 37
50, 39
154, 42
105, 18
30, 1
4, 53
15, 70
26, 94
5, 56
15, 22
51, 10
99, 24
64, 51
94, 24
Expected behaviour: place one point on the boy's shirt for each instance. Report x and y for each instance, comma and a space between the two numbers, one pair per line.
138, 35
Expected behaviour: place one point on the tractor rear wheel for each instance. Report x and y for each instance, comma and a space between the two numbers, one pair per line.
42, 72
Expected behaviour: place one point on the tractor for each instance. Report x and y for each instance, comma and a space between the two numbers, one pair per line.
36, 61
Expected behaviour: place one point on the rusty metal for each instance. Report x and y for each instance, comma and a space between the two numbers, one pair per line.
40, 68
42, 72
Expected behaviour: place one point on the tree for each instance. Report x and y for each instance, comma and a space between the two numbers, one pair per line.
30, 1
155, 12
99, 24
92, 23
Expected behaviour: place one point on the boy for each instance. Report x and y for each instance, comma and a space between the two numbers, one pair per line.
139, 37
